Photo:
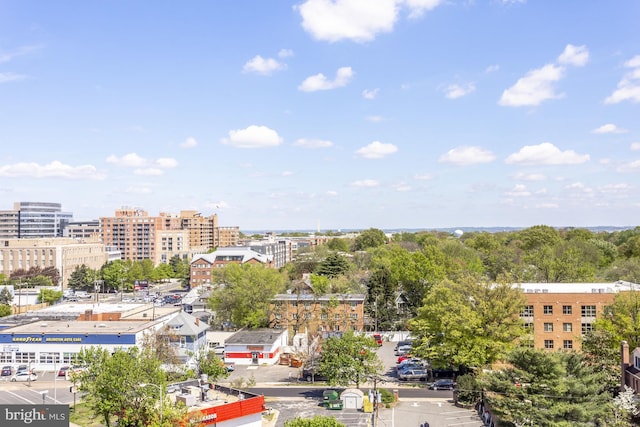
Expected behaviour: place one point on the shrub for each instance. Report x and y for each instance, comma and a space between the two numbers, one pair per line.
467, 389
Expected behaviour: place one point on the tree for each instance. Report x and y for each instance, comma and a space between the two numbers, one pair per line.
546, 389
82, 278
49, 296
114, 274
339, 244
5, 310
602, 351
468, 323
211, 365
316, 421
349, 359
114, 387
333, 266
370, 238
621, 319
6, 297
245, 297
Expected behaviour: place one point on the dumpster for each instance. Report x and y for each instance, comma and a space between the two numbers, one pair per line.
334, 404
328, 396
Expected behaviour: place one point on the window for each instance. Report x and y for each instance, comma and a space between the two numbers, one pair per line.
354, 315
548, 327
336, 316
294, 316
307, 316
528, 327
183, 342
24, 357
49, 357
324, 316
588, 311
587, 327
6, 357
567, 327
527, 311
548, 343
547, 309
567, 309
567, 344
69, 357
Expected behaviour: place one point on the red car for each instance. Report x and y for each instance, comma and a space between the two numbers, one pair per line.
404, 357
378, 338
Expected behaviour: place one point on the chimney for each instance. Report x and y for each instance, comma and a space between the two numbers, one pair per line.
624, 364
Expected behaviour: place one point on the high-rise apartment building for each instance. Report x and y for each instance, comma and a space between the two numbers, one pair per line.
139, 236
33, 220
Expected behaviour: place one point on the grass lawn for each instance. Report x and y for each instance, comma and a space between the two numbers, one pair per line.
82, 416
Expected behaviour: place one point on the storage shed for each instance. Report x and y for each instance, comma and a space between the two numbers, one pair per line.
352, 398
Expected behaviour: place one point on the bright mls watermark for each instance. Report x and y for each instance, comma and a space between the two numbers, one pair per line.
34, 415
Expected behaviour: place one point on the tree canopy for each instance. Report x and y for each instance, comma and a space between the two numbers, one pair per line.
349, 359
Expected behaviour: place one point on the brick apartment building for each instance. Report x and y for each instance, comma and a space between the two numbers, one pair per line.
558, 314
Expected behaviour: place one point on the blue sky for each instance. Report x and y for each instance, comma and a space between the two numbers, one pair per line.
325, 114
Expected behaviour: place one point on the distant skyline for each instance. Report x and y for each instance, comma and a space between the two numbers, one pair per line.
325, 114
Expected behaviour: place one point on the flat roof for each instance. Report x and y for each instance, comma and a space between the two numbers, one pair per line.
255, 336
83, 327
577, 288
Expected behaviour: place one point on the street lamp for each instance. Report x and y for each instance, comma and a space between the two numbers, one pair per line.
161, 397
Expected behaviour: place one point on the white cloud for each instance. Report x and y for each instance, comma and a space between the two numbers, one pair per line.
529, 177
635, 146
629, 166
264, 66
418, 7
143, 166
356, 20
320, 81
577, 56
365, 183
402, 187
620, 188
11, 77
629, 87
189, 143
55, 169
312, 143
519, 190
22, 50
465, 156
253, 137
376, 150
609, 128
285, 53
128, 160
374, 119
547, 205
331, 193
455, 91
286, 173
370, 93
534, 88
546, 154
492, 68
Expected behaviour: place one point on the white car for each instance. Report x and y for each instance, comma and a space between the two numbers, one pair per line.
24, 376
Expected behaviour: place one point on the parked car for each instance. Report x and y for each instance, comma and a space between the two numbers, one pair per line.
378, 339
312, 373
402, 343
408, 367
230, 367
7, 371
403, 357
413, 375
22, 368
24, 376
403, 350
444, 384
62, 372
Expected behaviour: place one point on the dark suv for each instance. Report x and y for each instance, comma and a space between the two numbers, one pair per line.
7, 371
312, 373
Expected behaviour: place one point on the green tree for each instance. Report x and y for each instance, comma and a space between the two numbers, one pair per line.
211, 365
5, 310
114, 387
621, 319
6, 297
245, 297
339, 244
114, 274
468, 323
49, 296
601, 350
333, 266
349, 359
82, 278
546, 389
316, 421
370, 238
